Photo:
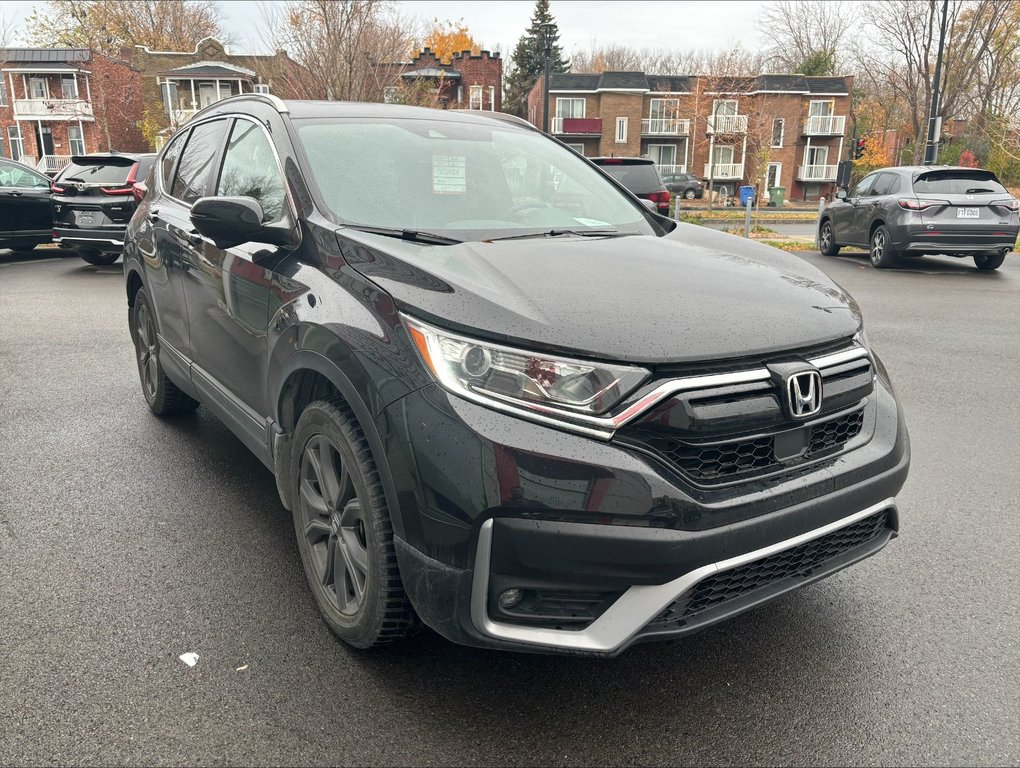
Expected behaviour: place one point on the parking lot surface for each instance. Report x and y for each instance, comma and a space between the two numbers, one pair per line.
126, 541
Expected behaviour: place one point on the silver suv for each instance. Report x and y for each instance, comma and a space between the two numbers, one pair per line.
918, 210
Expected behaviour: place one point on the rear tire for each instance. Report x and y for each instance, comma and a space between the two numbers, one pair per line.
99, 259
163, 397
690, 194
986, 262
882, 256
826, 242
343, 529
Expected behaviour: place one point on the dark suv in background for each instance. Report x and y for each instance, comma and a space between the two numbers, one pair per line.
524, 410
685, 185
639, 175
93, 200
918, 210
25, 219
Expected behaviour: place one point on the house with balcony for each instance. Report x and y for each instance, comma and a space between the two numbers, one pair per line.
60, 102
769, 130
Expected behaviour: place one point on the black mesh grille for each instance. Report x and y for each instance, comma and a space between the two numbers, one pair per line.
719, 462
796, 562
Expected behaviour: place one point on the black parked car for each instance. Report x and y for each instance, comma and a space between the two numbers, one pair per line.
25, 219
685, 185
916, 210
640, 175
524, 410
93, 199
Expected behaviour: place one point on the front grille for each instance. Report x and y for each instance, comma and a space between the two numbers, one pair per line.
794, 563
743, 458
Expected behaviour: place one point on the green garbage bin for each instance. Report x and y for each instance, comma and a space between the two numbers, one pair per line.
777, 197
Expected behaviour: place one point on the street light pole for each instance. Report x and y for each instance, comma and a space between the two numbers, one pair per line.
931, 149
547, 34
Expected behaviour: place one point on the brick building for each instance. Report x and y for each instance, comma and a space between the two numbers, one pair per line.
176, 84
769, 130
469, 81
59, 102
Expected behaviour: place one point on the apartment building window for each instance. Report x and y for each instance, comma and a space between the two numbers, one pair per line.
722, 161
663, 109
778, 128
460, 94
821, 108
261, 87
475, 96
621, 130
492, 98
76, 140
37, 88
3, 95
578, 148
68, 87
663, 155
16, 142
390, 95
3, 148
816, 156
569, 107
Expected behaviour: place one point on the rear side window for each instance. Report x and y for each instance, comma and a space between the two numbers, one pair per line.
98, 172
887, 184
144, 166
13, 176
195, 169
637, 177
170, 159
961, 182
250, 170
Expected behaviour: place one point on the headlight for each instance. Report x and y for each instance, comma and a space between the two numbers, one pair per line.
543, 383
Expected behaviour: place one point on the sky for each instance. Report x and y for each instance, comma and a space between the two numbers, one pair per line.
682, 24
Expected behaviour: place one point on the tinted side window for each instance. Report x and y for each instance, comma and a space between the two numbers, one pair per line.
885, 184
194, 171
250, 170
13, 176
863, 187
170, 158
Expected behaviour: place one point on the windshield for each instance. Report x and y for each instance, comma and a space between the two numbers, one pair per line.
958, 183
639, 178
462, 180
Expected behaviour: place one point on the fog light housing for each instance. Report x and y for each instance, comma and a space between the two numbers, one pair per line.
510, 598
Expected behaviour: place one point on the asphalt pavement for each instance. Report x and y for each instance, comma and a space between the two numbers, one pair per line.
126, 541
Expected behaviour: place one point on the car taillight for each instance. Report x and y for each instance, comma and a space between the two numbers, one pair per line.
1011, 204
659, 197
55, 188
138, 189
125, 190
913, 204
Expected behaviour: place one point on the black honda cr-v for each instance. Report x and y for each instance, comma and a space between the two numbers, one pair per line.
499, 395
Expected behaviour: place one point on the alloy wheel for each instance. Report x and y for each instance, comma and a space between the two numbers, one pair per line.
877, 246
148, 364
826, 236
333, 525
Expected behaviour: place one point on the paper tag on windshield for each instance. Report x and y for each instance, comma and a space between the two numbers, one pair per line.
591, 222
449, 174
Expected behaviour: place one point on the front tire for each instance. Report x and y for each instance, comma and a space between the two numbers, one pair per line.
987, 262
690, 194
99, 259
882, 255
826, 241
163, 397
343, 529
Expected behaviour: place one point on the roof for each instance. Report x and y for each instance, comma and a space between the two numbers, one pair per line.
765, 83
568, 81
623, 80
827, 85
670, 83
44, 55
209, 69
440, 71
55, 66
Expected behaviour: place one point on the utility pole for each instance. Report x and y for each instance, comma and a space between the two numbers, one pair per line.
931, 149
711, 153
547, 34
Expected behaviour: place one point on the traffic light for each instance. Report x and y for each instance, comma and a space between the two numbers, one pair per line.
859, 149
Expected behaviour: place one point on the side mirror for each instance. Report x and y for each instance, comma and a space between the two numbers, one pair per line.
841, 194
650, 205
230, 221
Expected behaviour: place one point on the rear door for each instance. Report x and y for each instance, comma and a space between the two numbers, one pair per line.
874, 205
24, 203
844, 214
967, 202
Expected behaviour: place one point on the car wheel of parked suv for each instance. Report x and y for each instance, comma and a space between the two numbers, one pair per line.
343, 529
162, 395
989, 261
826, 243
689, 194
882, 255
99, 259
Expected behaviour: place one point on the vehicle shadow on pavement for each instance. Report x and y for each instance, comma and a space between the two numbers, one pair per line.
927, 265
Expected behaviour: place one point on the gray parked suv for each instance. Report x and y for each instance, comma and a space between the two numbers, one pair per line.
916, 210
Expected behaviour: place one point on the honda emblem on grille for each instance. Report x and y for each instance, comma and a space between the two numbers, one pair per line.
804, 394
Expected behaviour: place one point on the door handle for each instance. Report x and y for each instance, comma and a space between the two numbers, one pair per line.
14, 194
192, 239
153, 214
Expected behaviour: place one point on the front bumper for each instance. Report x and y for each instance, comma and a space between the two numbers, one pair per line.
489, 502
106, 240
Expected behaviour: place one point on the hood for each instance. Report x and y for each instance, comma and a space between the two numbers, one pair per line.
693, 295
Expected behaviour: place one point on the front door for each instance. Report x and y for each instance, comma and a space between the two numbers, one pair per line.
44, 139
844, 214
24, 203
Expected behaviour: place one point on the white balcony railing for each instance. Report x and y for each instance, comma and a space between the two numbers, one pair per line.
665, 127
825, 125
53, 163
817, 173
727, 124
669, 170
724, 171
53, 109
179, 117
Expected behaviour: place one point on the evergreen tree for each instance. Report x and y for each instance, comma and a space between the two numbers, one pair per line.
527, 61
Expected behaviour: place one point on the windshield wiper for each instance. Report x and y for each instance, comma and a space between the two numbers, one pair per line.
72, 178
560, 232
406, 234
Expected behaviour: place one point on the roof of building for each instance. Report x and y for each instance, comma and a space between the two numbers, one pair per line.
670, 83
440, 71
569, 81
42, 66
44, 55
209, 69
765, 83
623, 80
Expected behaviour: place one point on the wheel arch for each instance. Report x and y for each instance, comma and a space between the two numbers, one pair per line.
307, 376
133, 283
875, 225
